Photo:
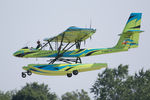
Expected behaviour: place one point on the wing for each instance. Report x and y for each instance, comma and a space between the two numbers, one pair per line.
73, 34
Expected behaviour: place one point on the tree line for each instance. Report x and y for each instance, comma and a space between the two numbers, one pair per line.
111, 84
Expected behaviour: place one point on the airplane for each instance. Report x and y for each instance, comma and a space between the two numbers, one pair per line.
73, 37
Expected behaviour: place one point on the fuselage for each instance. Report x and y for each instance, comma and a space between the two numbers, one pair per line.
28, 53
129, 38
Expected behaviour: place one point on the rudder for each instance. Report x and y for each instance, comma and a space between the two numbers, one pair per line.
130, 35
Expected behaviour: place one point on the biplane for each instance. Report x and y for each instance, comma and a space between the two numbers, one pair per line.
59, 49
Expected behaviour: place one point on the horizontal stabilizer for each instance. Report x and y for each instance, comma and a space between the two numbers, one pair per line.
135, 31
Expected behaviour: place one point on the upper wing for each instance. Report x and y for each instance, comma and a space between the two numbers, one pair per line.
73, 34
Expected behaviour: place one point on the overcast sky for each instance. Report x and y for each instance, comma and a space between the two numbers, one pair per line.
23, 22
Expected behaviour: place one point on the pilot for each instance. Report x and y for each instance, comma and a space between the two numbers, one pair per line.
38, 45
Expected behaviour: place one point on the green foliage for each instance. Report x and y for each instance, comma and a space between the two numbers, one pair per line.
76, 95
7, 95
4, 96
34, 91
116, 84
141, 85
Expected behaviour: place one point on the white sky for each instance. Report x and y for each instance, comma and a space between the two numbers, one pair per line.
23, 21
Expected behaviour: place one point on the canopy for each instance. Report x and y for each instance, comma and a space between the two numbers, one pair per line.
73, 34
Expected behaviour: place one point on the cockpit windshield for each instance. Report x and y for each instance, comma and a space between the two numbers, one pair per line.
25, 48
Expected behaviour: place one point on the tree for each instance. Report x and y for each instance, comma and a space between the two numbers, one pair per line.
116, 84
7, 95
141, 85
76, 95
34, 91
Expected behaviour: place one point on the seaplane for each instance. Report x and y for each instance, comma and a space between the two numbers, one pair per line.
59, 50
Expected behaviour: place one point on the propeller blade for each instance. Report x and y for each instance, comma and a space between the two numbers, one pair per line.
84, 42
90, 37
90, 23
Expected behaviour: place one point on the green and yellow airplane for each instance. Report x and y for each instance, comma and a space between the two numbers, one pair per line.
72, 37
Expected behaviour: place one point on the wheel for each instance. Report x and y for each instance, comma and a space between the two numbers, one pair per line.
29, 73
23, 75
69, 74
75, 72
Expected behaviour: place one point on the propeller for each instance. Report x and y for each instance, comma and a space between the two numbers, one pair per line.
90, 37
90, 23
84, 42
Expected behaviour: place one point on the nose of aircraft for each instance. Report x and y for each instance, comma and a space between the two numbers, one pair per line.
17, 54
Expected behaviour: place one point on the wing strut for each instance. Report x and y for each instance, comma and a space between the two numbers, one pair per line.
60, 54
50, 46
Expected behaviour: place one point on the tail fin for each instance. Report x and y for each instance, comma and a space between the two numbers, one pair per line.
130, 35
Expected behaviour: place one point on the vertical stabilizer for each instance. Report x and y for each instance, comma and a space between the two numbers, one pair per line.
130, 35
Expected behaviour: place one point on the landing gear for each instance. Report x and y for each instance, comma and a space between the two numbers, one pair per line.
23, 74
75, 72
69, 74
29, 73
